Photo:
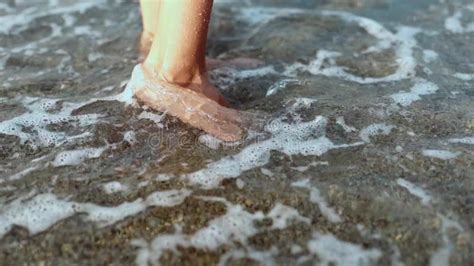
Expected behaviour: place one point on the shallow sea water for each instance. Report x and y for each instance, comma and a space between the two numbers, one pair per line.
366, 158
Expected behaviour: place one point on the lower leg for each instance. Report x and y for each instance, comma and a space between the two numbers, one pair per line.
179, 45
174, 78
150, 9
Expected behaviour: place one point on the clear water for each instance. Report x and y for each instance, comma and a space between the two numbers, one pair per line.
366, 158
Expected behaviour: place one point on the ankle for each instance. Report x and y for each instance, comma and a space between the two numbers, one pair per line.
183, 75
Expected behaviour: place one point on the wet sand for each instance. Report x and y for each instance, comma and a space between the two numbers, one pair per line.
366, 158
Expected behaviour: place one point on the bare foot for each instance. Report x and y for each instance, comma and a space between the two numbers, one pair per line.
197, 105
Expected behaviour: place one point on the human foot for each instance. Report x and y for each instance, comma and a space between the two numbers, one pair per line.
192, 106
189, 79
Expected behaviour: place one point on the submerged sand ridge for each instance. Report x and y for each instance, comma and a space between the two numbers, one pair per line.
366, 158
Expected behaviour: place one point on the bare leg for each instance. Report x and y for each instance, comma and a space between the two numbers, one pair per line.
150, 10
174, 78
178, 51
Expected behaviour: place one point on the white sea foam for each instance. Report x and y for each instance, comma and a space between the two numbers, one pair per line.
210, 141
403, 40
163, 177
239, 183
332, 251
375, 130
75, 157
267, 172
26, 16
415, 190
130, 137
234, 227
304, 138
466, 140
420, 88
441, 256
114, 187
306, 167
20, 174
464, 76
152, 117
280, 85
5, 7
258, 72
315, 197
44, 210
264, 258
296, 249
262, 15
440, 154
86, 30
454, 24
228, 76
341, 121
38, 118
429, 55
281, 215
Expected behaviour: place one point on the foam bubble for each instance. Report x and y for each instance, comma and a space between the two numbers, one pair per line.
152, 117
234, 227
454, 25
282, 215
210, 141
130, 137
27, 15
415, 190
441, 256
114, 187
466, 140
429, 55
315, 197
306, 167
37, 214
239, 183
403, 40
348, 129
421, 87
20, 174
86, 30
266, 172
305, 138
262, 15
38, 118
44, 210
281, 84
75, 157
441, 154
374, 130
264, 258
464, 76
163, 177
332, 251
